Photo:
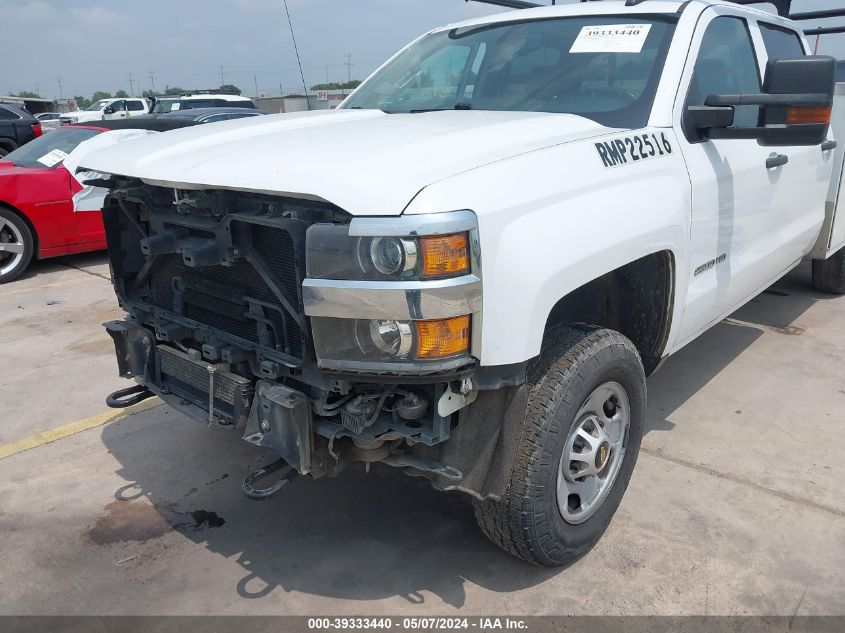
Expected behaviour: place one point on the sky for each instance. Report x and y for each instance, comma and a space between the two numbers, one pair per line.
96, 45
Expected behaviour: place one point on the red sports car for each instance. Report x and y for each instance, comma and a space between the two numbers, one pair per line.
37, 215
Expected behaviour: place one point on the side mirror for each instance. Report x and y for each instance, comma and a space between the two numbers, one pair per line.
109, 110
795, 105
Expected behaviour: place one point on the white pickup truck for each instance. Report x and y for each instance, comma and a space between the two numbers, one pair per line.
106, 110
468, 270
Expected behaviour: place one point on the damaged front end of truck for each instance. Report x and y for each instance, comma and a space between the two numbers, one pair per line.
327, 338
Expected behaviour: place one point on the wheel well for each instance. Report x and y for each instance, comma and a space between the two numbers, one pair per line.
8, 144
635, 300
35, 246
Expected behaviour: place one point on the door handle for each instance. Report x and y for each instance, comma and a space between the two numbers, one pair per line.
828, 145
776, 160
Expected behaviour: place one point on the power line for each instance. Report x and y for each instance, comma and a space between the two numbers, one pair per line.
296, 50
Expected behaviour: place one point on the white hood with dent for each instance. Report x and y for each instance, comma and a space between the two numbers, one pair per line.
364, 161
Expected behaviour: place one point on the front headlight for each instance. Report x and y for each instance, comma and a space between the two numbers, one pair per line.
388, 340
394, 294
333, 253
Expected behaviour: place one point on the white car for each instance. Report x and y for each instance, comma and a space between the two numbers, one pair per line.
49, 120
166, 104
107, 109
468, 270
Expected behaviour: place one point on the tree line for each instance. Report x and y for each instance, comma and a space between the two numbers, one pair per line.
337, 85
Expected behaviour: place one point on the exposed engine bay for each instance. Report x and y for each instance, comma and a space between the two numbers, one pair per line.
212, 282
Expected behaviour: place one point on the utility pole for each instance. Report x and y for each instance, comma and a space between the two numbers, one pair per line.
153, 80
131, 85
255, 79
60, 89
327, 74
349, 66
222, 75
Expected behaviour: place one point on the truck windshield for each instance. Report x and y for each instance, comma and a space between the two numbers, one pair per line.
97, 105
605, 68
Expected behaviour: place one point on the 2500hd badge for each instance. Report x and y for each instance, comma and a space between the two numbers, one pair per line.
627, 149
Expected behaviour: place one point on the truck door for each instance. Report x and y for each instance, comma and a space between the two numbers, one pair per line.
747, 224
805, 180
115, 110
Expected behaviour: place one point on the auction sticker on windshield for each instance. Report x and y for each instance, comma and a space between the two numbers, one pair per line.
611, 38
52, 158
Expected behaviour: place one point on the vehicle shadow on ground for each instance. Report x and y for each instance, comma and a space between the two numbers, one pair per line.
360, 536
376, 535
776, 310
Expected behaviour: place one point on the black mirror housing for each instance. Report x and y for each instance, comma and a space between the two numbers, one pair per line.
794, 106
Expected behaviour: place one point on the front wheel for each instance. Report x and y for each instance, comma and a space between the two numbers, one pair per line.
16, 245
582, 433
829, 274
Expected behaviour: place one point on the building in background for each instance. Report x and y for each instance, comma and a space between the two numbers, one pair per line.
317, 99
36, 106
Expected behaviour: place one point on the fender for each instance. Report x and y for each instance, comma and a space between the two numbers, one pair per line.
554, 219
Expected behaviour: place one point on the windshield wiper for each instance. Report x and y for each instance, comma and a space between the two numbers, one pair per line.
458, 106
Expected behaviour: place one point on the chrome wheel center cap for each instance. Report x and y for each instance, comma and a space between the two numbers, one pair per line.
602, 454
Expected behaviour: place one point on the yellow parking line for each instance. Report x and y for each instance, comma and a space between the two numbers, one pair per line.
34, 441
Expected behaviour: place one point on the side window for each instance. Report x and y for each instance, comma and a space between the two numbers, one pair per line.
135, 106
726, 64
7, 115
781, 43
118, 106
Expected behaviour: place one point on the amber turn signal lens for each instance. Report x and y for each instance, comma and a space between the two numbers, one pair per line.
442, 338
445, 255
798, 116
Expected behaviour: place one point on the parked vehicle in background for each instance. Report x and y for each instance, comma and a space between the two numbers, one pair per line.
107, 109
49, 120
165, 104
468, 270
212, 115
17, 127
40, 215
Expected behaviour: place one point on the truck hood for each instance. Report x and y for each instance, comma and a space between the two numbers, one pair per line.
83, 115
366, 162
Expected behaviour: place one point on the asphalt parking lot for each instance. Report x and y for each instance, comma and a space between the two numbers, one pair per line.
736, 505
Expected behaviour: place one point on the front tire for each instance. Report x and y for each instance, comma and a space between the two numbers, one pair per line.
582, 433
16, 245
829, 274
